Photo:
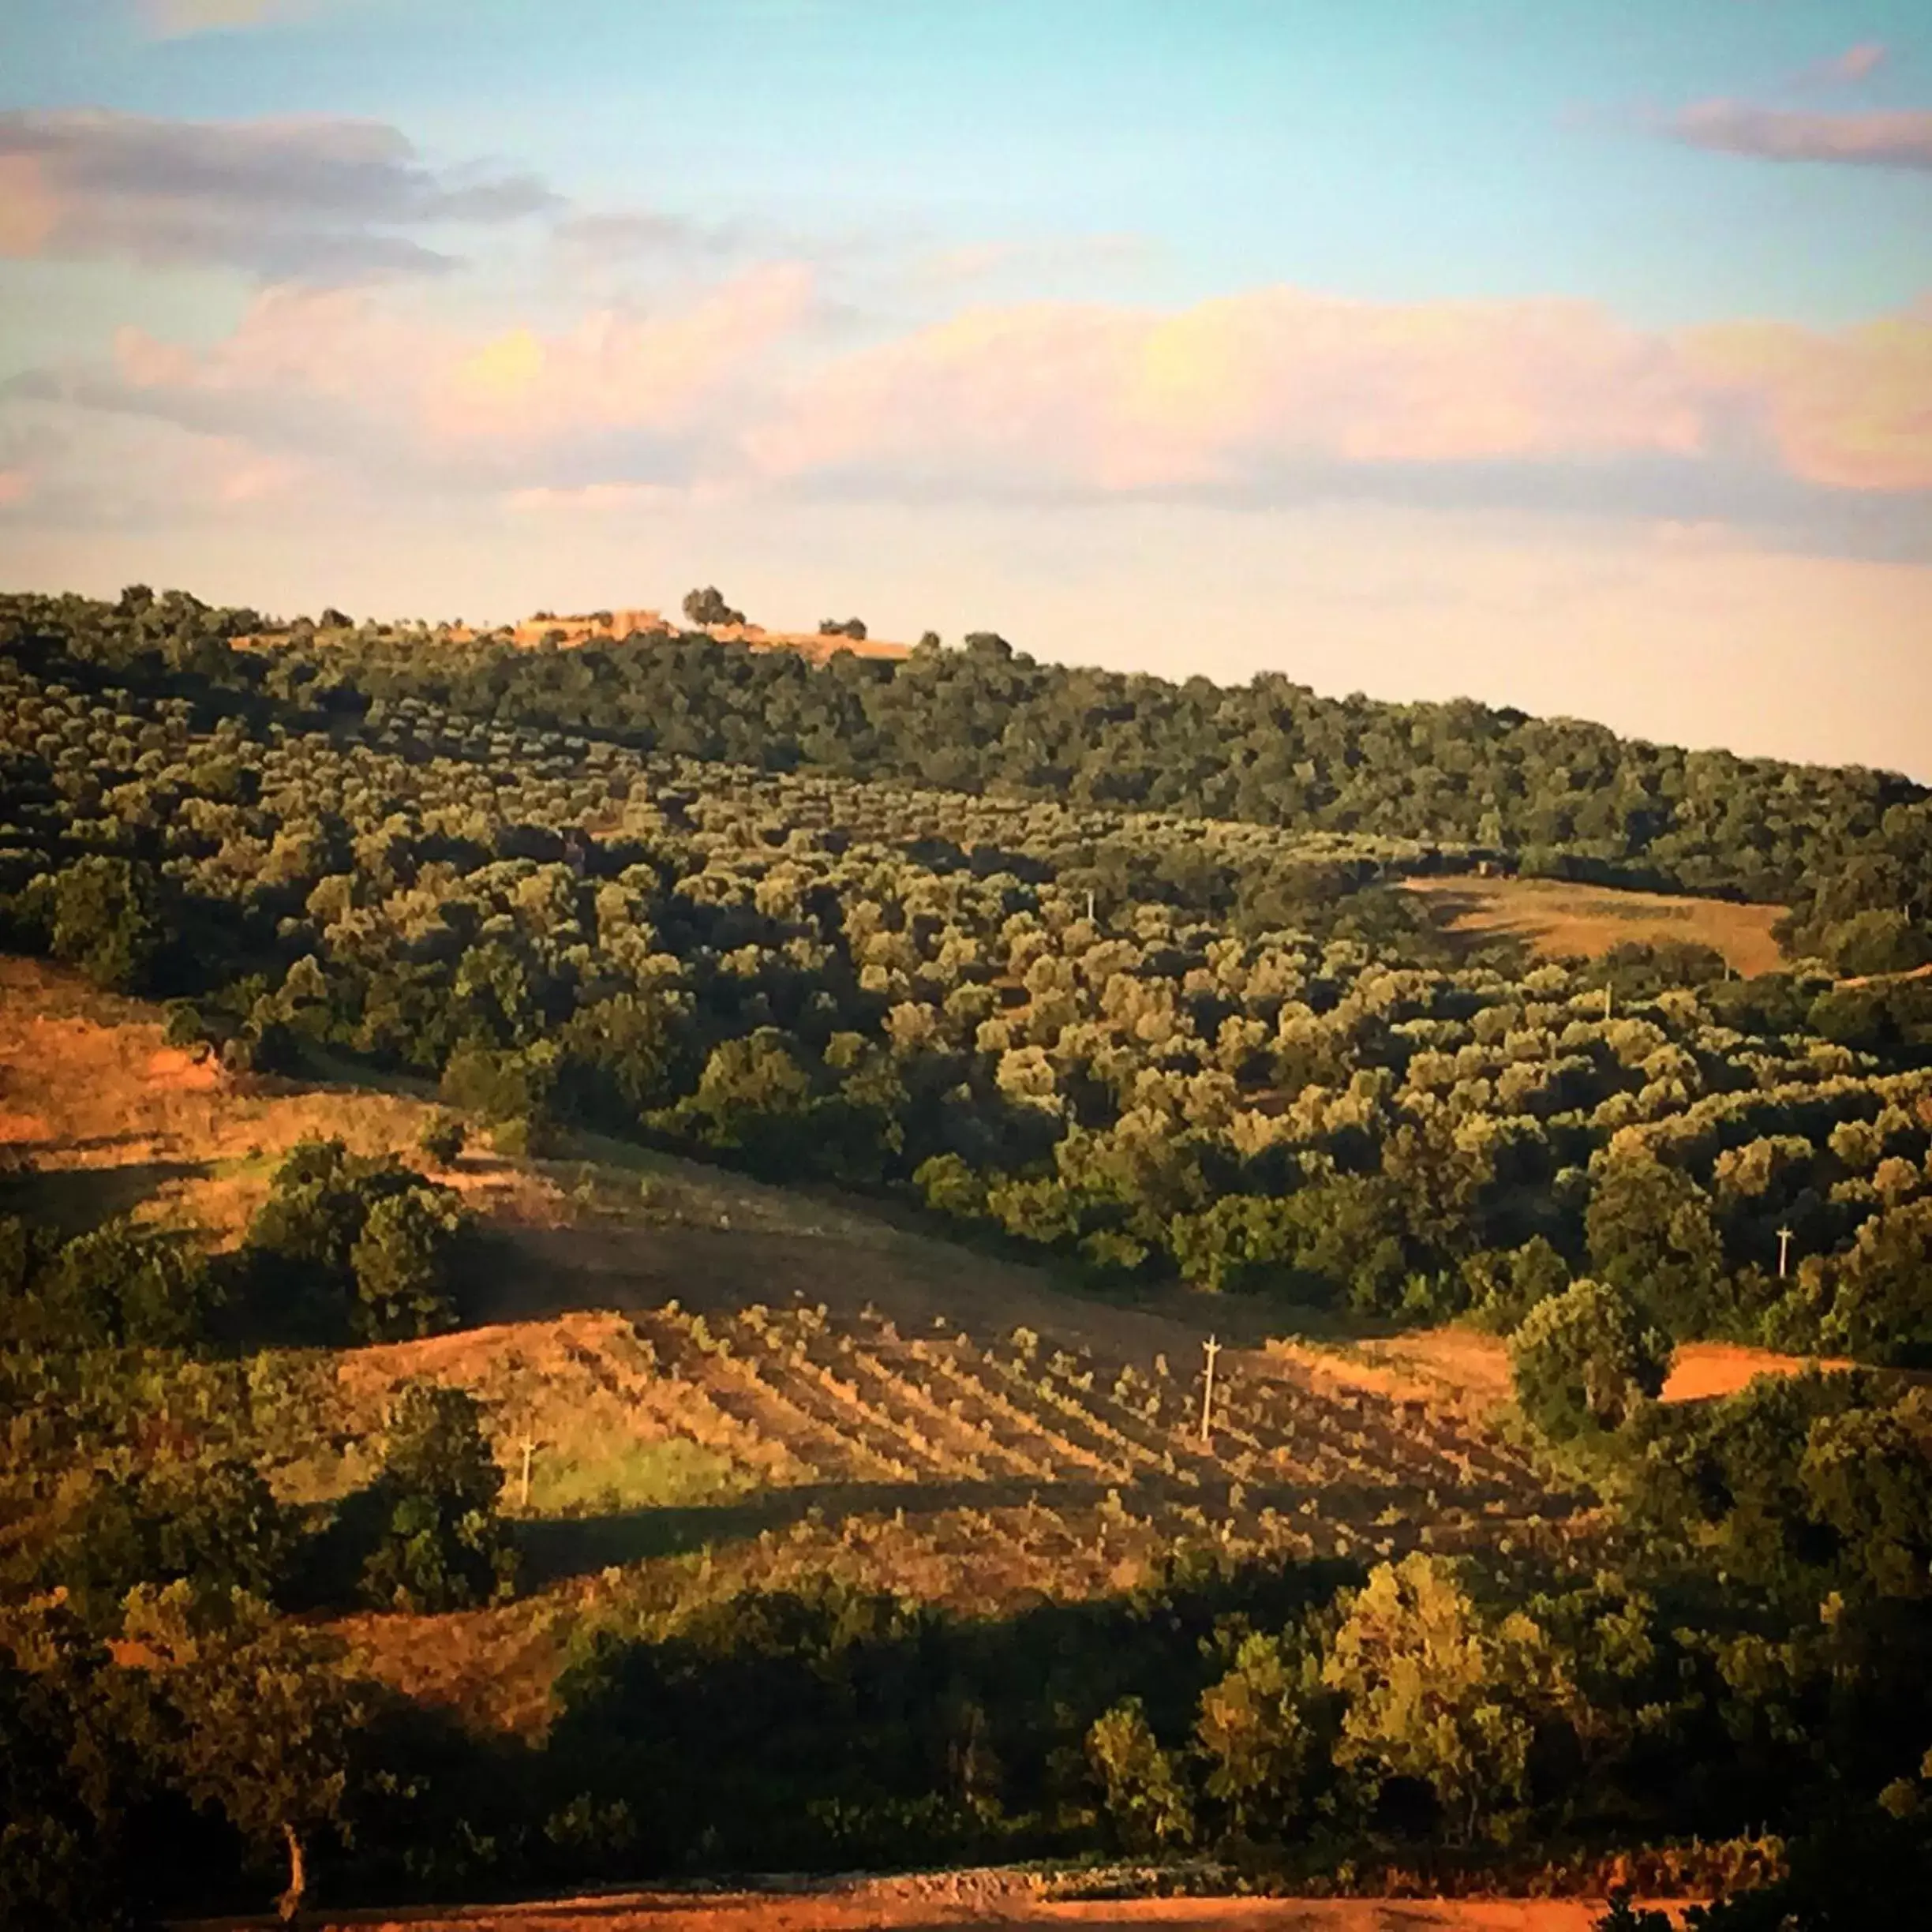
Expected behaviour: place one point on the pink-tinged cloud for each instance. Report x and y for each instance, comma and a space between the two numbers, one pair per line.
1855, 63
1224, 396
347, 371
1244, 397
1899, 139
1853, 408
174, 19
30, 211
1125, 399
620, 371
15, 487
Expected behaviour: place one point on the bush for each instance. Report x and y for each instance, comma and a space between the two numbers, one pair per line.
215, 1525
105, 920
352, 1244
438, 1544
402, 1261
120, 1285
442, 1140
1583, 1360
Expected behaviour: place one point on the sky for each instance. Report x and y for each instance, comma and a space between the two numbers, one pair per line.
1573, 354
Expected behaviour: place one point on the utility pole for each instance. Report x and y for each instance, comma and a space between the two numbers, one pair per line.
1609, 999
1784, 1241
1089, 905
528, 1445
1212, 1348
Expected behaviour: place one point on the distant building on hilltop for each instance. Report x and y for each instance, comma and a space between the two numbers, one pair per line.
613, 627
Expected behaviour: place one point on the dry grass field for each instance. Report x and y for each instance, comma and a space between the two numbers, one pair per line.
1560, 920
107, 1118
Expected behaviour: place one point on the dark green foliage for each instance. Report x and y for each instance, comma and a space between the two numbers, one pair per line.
1584, 1359
1882, 1299
103, 917
358, 1245
510, 1091
61, 1810
119, 1285
1096, 1001
436, 1543
1651, 1238
1798, 1486
212, 1523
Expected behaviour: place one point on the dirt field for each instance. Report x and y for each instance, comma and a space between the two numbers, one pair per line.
970, 1898
1464, 1364
1560, 920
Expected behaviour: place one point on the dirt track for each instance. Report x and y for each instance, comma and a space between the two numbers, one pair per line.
972, 1898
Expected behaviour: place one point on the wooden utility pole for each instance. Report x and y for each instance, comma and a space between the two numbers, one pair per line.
1089, 905
1212, 1348
1609, 1000
1784, 1242
528, 1445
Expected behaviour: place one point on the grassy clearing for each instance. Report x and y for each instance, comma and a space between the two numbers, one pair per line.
1559, 919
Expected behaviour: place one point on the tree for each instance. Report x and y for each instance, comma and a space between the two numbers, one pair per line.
403, 1262
353, 1243
105, 920
213, 1524
1651, 1235
1436, 1692
1881, 1299
1584, 1359
437, 1542
1146, 1798
708, 607
1253, 1733
122, 1284
442, 1140
67, 1782
264, 1722
1866, 1475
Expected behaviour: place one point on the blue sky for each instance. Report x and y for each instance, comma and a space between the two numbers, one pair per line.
1473, 341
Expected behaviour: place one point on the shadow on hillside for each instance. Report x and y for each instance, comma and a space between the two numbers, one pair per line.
73, 1200
555, 1548
920, 1282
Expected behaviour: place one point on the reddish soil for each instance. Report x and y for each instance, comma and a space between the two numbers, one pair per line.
1464, 1363
972, 1898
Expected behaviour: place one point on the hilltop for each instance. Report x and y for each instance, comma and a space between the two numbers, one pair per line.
621, 627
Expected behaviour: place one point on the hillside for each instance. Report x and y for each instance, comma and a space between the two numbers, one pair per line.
632, 1316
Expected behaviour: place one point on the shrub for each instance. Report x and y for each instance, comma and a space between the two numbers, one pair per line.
437, 1543
1584, 1359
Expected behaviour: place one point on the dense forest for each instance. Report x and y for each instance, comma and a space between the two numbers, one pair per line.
1113, 973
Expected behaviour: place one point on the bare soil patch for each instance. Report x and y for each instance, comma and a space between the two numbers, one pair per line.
1464, 1365
1562, 920
971, 1898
